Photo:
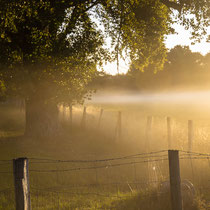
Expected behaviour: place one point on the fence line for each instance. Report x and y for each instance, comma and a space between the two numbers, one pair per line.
188, 156
155, 156
97, 167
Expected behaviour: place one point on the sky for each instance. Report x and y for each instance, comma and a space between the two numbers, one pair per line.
181, 38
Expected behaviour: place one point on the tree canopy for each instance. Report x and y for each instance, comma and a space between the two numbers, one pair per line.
50, 49
183, 69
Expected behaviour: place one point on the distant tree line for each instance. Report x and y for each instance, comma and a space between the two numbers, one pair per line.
183, 69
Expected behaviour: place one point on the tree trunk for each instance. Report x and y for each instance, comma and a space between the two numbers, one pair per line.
41, 118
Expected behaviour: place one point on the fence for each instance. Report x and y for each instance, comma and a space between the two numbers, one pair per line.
116, 121
148, 171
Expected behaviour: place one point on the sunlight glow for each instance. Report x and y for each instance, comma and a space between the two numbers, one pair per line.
183, 38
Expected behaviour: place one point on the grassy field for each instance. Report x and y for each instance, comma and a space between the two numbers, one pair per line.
123, 187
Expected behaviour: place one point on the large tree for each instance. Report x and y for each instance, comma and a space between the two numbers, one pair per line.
50, 49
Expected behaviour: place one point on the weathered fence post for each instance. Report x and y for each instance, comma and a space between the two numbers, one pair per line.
63, 112
190, 135
83, 123
100, 116
147, 145
148, 132
190, 144
118, 131
175, 180
169, 132
21, 182
71, 113
119, 125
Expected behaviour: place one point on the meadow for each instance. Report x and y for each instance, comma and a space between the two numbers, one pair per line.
115, 184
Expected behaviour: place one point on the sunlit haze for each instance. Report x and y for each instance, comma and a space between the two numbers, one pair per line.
172, 97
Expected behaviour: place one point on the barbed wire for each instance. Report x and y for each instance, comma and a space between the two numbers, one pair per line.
103, 160
149, 156
97, 167
148, 160
113, 165
96, 161
138, 155
195, 153
195, 158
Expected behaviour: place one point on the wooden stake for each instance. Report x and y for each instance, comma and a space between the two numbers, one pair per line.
100, 116
190, 145
83, 123
148, 132
169, 132
190, 135
63, 112
21, 182
118, 130
147, 145
71, 117
175, 180
119, 125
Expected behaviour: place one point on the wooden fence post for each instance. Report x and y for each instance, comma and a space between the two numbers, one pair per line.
21, 182
100, 117
175, 180
190, 145
63, 112
169, 132
118, 130
83, 123
71, 117
147, 146
148, 133
190, 135
119, 125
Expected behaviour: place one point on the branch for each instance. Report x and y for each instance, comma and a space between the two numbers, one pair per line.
74, 17
171, 4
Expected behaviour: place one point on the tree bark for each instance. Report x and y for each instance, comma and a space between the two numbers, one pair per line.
41, 118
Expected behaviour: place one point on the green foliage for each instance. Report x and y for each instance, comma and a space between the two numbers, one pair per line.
183, 68
51, 49
47, 51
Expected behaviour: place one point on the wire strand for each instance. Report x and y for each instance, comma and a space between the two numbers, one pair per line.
96, 167
101, 160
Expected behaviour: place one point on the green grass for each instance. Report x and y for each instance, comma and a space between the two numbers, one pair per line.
91, 143
145, 200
